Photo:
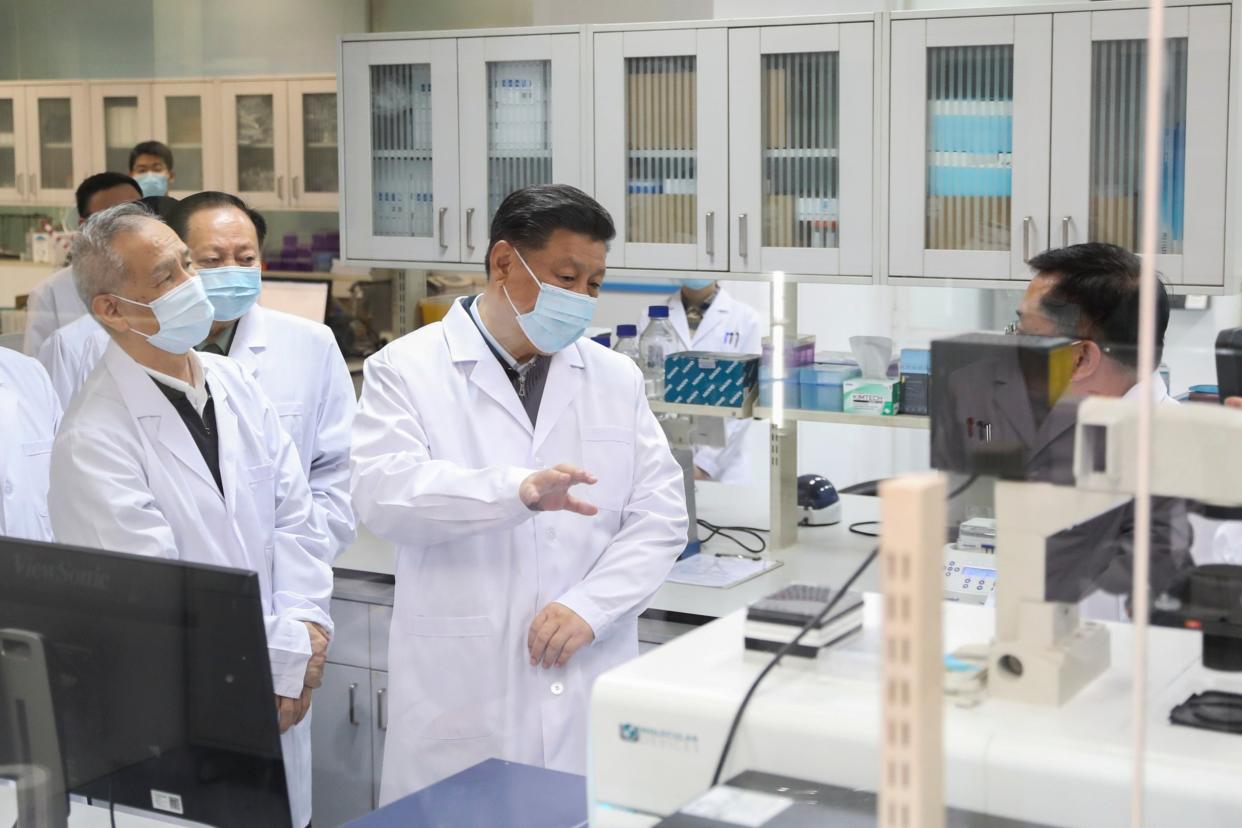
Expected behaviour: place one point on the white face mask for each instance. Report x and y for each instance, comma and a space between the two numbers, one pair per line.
559, 318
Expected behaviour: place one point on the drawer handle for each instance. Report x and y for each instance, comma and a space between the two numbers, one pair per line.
470, 228
1065, 227
353, 710
1026, 239
710, 245
743, 243
381, 704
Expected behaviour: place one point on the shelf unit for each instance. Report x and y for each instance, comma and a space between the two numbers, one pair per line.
745, 412
801, 415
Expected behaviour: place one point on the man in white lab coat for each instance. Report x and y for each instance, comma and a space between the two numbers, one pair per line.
706, 317
30, 413
513, 592
170, 453
54, 302
295, 361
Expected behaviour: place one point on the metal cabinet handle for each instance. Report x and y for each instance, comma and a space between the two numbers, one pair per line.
711, 233
1026, 239
743, 244
443, 244
470, 227
1065, 225
280, 186
297, 189
21, 183
353, 711
381, 706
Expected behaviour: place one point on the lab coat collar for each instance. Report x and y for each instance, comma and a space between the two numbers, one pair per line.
709, 336
249, 340
154, 413
468, 347
226, 428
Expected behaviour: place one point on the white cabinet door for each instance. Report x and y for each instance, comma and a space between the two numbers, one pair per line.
800, 149
185, 117
313, 163
520, 123
400, 163
342, 749
254, 118
661, 146
1099, 72
379, 687
120, 119
968, 187
14, 167
57, 142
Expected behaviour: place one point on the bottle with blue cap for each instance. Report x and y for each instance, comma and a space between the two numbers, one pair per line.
627, 343
657, 342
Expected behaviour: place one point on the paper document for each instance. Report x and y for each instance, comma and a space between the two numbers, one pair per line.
705, 569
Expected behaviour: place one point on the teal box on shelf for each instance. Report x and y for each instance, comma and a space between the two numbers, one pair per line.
823, 386
706, 378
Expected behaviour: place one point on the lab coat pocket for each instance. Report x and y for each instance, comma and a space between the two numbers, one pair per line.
37, 447
608, 453
457, 664
261, 483
290, 414
36, 474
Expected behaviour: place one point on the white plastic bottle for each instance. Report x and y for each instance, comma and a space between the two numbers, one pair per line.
657, 342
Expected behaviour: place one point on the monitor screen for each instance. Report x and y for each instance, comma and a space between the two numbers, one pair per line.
307, 298
159, 678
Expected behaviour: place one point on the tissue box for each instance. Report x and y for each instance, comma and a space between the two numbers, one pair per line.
823, 386
872, 395
705, 378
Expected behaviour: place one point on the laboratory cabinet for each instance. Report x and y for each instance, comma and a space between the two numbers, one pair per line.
439, 129
184, 116
280, 142
1014, 133
44, 135
120, 118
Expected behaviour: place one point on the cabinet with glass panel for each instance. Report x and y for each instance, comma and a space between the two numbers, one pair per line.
44, 142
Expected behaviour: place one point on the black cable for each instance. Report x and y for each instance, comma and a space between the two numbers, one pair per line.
814, 622
111, 804
855, 528
785, 648
724, 532
806, 521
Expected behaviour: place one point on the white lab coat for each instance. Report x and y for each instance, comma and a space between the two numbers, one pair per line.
730, 327
300, 369
52, 304
441, 444
30, 413
127, 476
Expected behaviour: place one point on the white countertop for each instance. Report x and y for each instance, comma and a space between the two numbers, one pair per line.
823, 555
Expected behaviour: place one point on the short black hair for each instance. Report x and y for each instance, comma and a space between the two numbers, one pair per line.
99, 182
1096, 296
162, 206
528, 217
156, 148
179, 219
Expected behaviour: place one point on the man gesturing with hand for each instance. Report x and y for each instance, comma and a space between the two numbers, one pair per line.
532, 497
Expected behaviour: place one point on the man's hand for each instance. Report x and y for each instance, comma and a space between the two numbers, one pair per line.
556, 634
1234, 402
699, 474
319, 655
548, 490
292, 711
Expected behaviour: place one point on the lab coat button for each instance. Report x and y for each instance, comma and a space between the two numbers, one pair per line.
557, 688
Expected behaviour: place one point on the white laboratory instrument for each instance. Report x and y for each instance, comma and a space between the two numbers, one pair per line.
970, 563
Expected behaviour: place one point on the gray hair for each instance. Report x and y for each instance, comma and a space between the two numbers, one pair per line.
97, 267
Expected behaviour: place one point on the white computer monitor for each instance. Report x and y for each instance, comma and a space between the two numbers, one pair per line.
307, 298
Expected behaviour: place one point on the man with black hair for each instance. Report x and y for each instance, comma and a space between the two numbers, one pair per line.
54, 302
514, 591
1090, 293
151, 165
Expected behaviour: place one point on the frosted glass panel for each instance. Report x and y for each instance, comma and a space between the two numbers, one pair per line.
8, 145
969, 147
320, 171
56, 144
121, 132
800, 142
401, 150
519, 127
1118, 73
661, 179
184, 127
256, 143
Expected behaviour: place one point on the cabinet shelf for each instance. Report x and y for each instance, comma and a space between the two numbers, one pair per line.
324, 145
793, 153
520, 154
661, 153
805, 416
403, 155
745, 412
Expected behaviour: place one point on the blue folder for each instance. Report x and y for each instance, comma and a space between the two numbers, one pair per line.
492, 793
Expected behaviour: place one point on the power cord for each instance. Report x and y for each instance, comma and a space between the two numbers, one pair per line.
814, 622
725, 532
806, 521
856, 528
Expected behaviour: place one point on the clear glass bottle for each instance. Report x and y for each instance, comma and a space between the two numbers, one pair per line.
657, 342
627, 343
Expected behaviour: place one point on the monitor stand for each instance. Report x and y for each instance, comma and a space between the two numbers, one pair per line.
30, 751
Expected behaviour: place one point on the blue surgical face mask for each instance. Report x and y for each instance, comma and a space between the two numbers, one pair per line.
232, 290
698, 284
560, 317
184, 315
152, 183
